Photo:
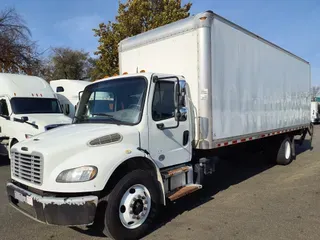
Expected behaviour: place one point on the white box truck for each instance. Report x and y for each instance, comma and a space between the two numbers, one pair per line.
28, 106
157, 135
68, 91
315, 112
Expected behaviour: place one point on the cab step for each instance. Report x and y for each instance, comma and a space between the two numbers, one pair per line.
176, 171
183, 191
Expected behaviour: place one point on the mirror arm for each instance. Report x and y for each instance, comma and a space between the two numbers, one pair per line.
162, 127
79, 95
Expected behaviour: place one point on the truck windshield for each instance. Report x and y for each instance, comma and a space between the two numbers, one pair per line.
35, 105
118, 101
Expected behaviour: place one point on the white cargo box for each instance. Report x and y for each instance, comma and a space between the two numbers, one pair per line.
240, 84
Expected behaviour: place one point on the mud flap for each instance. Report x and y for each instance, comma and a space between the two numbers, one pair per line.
308, 130
293, 149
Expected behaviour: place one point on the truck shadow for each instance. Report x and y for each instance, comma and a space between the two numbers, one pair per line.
229, 172
306, 146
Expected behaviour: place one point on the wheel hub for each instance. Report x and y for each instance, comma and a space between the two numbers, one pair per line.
135, 206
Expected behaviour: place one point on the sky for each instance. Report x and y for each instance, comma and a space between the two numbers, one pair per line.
291, 24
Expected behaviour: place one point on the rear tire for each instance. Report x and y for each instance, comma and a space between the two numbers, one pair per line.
131, 206
285, 152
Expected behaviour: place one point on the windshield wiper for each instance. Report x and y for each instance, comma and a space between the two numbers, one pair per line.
111, 117
21, 121
102, 114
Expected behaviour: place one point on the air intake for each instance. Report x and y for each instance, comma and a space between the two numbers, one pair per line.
108, 139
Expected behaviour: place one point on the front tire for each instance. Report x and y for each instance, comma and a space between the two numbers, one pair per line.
132, 206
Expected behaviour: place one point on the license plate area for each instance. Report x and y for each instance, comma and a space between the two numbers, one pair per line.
23, 198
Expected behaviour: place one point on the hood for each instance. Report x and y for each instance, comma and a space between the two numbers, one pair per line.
43, 120
75, 137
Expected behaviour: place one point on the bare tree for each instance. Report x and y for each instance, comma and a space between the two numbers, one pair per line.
315, 90
18, 52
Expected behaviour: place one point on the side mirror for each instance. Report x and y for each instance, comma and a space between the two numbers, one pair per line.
181, 115
24, 119
180, 94
176, 93
60, 89
183, 91
80, 94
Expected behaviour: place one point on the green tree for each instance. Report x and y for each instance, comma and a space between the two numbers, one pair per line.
315, 90
134, 17
66, 63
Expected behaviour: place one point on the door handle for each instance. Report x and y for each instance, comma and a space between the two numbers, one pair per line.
185, 139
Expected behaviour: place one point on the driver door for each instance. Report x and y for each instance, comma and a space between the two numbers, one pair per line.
169, 146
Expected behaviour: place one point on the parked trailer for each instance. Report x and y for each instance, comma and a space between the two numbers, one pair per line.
28, 106
160, 133
68, 91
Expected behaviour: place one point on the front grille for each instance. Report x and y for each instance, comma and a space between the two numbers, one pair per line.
27, 167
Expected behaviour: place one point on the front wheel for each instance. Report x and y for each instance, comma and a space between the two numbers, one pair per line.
132, 206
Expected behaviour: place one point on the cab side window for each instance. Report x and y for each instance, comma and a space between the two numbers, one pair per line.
4, 108
163, 101
60, 89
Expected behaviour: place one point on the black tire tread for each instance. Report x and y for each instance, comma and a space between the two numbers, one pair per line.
112, 225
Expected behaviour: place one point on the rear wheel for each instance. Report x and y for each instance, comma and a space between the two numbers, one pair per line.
132, 206
285, 152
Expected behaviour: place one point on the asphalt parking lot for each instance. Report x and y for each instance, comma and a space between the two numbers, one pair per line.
247, 199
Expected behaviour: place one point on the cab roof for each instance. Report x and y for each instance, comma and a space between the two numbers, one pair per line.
147, 75
17, 85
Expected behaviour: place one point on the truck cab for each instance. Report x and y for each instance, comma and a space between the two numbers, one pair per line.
28, 106
128, 127
315, 112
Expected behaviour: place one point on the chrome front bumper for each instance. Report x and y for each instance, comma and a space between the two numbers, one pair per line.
67, 211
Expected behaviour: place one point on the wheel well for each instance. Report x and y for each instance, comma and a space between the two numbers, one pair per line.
128, 166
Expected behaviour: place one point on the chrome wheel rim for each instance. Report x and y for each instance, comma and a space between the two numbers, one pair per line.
288, 150
135, 206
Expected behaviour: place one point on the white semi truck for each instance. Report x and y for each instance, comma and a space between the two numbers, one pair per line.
67, 91
157, 135
28, 106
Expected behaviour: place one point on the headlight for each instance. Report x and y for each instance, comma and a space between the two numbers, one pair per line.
80, 174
